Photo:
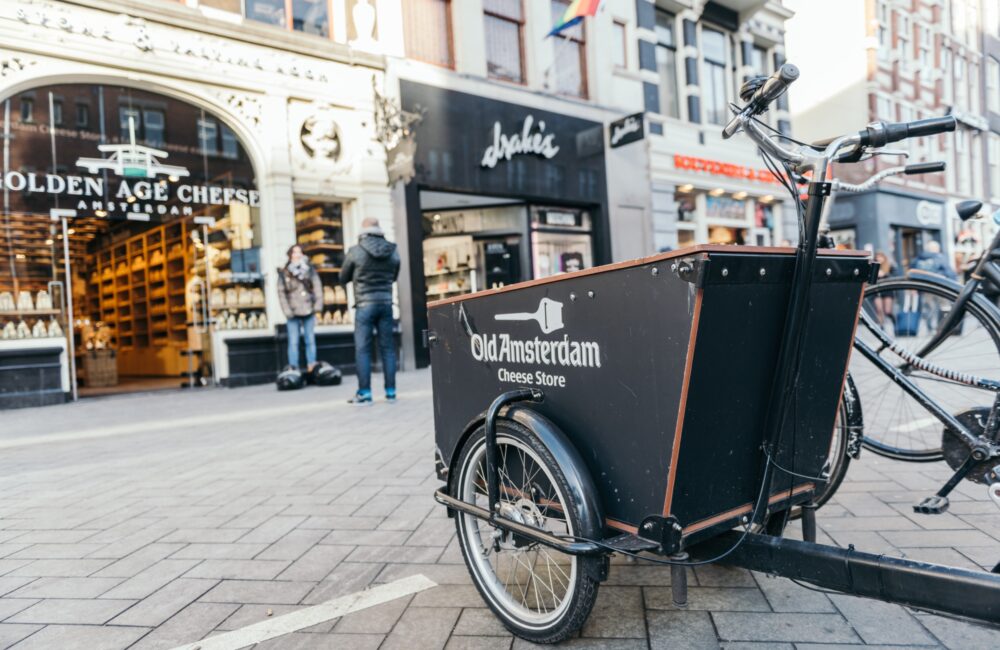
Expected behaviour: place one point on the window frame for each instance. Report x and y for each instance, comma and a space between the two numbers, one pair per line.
677, 112
992, 84
615, 25
449, 18
28, 118
722, 66
581, 41
520, 22
290, 19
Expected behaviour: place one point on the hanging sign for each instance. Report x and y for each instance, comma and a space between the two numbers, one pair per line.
627, 130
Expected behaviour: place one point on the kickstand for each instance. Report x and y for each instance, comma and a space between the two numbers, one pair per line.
679, 581
938, 504
809, 522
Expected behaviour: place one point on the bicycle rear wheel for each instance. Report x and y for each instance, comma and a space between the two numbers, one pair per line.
910, 310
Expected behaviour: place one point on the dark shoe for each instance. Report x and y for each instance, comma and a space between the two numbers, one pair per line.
361, 399
390, 395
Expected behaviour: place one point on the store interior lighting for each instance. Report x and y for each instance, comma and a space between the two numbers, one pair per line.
100, 213
766, 199
717, 192
687, 187
739, 196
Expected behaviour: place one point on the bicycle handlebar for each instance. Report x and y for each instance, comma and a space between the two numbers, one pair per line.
925, 168
879, 134
769, 91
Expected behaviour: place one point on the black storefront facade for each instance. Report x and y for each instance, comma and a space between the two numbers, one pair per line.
893, 222
502, 193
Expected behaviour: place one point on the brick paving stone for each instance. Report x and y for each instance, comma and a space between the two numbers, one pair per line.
192, 623
681, 629
643, 574
66, 588
11, 633
739, 626
206, 535
878, 622
478, 643
258, 591
272, 530
81, 637
148, 581
588, 644
250, 614
57, 568
730, 599
959, 634
377, 620
10, 584
316, 563
11, 606
422, 629
785, 596
750, 645
238, 569
166, 602
292, 546
139, 561
345, 579
945, 538
617, 613
306, 641
479, 622
237, 551
714, 575
71, 611
449, 596
366, 538
443, 574
404, 554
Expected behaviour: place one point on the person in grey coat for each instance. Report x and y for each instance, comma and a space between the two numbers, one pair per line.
301, 294
372, 265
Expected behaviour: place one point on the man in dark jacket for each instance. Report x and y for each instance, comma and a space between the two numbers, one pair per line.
933, 260
373, 265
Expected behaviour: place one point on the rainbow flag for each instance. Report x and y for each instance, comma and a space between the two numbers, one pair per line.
575, 12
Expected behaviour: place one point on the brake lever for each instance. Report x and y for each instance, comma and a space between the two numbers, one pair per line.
889, 152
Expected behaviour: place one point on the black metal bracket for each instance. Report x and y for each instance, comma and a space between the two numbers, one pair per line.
692, 269
492, 473
820, 189
873, 269
665, 531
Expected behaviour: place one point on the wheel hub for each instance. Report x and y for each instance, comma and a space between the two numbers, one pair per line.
523, 511
955, 451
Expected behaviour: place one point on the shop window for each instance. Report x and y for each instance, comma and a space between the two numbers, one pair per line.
153, 125
208, 135
427, 31
687, 209
570, 55
27, 109
82, 116
129, 122
992, 84
230, 146
232, 6
319, 229
713, 89
311, 17
57, 112
725, 207
666, 62
619, 49
504, 39
560, 241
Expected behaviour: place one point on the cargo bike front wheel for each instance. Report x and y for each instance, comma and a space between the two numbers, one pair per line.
539, 593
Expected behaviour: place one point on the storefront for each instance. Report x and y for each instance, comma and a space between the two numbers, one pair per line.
709, 191
893, 222
502, 193
189, 170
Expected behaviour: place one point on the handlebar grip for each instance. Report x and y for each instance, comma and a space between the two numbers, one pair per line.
880, 134
769, 91
925, 167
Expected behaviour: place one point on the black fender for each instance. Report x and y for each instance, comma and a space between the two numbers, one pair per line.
855, 420
582, 490
947, 283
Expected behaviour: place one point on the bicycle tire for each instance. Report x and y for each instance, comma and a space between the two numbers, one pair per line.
838, 460
908, 310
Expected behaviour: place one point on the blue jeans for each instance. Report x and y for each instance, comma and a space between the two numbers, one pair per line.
377, 317
303, 326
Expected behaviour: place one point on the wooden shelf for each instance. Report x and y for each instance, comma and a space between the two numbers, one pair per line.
320, 246
314, 224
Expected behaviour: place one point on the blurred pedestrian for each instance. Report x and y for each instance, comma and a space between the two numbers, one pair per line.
931, 259
884, 302
372, 265
301, 295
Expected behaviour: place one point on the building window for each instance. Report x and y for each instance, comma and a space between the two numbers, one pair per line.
570, 60
903, 34
993, 158
27, 109
884, 19
271, 12
129, 123
758, 61
619, 49
925, 47
230, 145
993, 84
504, 39
57, 112
149, 125
713, 87
991, 17
153, 127
884, 109
311, 17
82, 116
427, 31
666, 62
208, 135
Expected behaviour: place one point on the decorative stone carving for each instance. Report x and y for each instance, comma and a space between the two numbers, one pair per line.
245, 106
394, 130
320, 134
364, 24
11, 65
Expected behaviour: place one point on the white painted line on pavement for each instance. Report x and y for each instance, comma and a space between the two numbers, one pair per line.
198, 422
310, 616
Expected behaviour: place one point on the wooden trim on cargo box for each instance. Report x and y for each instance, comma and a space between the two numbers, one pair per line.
685, 384
736, 512
683, 252
620, 525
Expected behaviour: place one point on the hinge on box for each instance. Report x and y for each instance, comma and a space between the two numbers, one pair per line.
693, 270
873, 269
430, 337
665, 531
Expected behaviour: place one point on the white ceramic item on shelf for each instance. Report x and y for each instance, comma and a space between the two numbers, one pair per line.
22, 330
9, 332
218, 298
232, 297
244, 297
340, 294
38, 330
262, 321
337, 318
54, 328
257, 296
6, 301
231, 322
348, 317
329, 295
43, 300
252, 321
24, 302
241, 322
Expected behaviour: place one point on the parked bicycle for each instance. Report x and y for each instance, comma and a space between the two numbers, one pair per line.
925, 371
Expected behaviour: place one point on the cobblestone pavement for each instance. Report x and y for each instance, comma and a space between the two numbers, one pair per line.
154, 520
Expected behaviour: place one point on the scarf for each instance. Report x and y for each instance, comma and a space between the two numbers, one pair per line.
299, 270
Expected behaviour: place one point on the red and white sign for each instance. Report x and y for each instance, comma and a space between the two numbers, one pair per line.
717, 168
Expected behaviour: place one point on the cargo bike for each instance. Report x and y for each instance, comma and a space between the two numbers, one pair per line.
677, 406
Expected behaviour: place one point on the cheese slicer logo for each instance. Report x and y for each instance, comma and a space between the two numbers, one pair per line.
548, 316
